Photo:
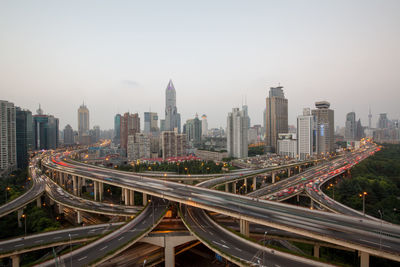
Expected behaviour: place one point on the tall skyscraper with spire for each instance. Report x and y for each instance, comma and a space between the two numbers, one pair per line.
172, 117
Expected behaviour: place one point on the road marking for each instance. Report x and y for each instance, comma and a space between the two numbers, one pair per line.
38, 241
18, 245
57, 237
122, 237
82, 258
222, 245
375, 243
104, 248
74, 234
238, 249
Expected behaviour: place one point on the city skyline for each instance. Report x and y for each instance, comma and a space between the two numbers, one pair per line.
341, 55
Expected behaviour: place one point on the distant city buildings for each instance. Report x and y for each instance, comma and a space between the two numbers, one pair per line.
172, 117
351, 126
150, 122
173, 144
45, 131
255, 134
138, 146
193, 131
8, 153
383, 121
204, 125
237, 130
83, 122
276, 117
117, 129
287, 145
130, 125
325, 127
306, 135
68, 135
24, 136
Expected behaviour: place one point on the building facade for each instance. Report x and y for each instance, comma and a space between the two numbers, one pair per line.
117, 129
276, 117
138, 146
83, 120
68, 135
204, 125
305, 134
172, 117
287, 145
193, 131
173, 144
150, 122
351, 126
237, 130
8, 145
130, 125
325, 127
24, 138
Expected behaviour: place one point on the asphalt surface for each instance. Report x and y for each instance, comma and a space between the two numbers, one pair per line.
61, 196
307, 222
37, 240
107, 245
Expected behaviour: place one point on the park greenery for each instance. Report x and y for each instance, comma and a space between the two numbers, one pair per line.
184, 167
13, 185
379, 177
256, 150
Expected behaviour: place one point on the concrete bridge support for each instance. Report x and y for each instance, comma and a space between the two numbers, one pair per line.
100, 188
131, 198
316, 250
254, 183
289, 170
78, 217
144, 199
227, 187
245, 185
95, 190
20, 212
312, 204
60, 209
39, 202
15, 260
273, 177
75, 185
234, 187
79, 186
244, 227
364, 259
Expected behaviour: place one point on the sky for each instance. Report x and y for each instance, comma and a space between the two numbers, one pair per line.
118, 56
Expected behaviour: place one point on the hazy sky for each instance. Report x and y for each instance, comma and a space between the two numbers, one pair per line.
118, 56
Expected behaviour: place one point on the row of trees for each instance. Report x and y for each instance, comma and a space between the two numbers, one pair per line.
14, 185
379, 177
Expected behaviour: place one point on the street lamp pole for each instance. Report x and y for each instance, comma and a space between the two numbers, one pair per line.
70, 248
363, 197
24, 216
265, 234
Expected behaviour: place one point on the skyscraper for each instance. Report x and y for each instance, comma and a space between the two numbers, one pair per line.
117, 129
130, 125
172, 144
8, 149
45, 131
351, 126
237, 128
24, 136
83, 120
204, 125
383, 122
369, 119
305, 134
325, 127
150, 122
172, 117
68, 135
193, 130
276, 117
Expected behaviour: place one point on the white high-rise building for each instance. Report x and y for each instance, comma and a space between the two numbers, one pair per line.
204, 125
8, 144
237, 127
305, 134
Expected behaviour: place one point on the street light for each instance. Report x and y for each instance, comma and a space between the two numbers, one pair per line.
70, 248
7, 189
24, 216
265, 234
363, 194
333, 191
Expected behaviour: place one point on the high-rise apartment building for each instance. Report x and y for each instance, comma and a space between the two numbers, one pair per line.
287, 145
383, 121
117, 129
24, 136
138, 146
83, 120
237, 127
8, 148
276, 117
351, 126
245, 109
68, 135
172, 117
325, 127
305, 134
193, 130
130, 125
204, 125
172, 144
150, 122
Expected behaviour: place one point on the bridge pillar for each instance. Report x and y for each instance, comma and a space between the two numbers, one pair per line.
288, 172
75, 184
234, 187
244, 227
316, 251
144, 202
298, 198
20, 212
169, 252
364, 259
79, 186
39, 202
100, 188
254, 183
122, 194
60, 209
300, 169
312, 204
126, 196
78, 217
15, 260
245, 185
131, 198
95, 190
227, 187
273, 177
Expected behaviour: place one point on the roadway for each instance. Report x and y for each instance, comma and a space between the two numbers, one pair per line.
115, 242
372, 237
